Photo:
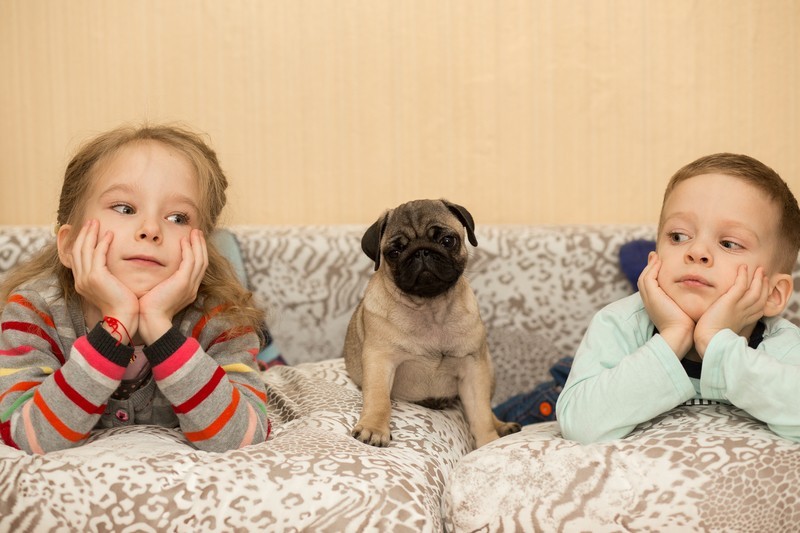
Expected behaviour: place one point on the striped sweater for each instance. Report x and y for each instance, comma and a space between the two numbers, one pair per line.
57, 378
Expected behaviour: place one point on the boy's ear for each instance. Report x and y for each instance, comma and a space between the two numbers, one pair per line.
778, 298
64, 244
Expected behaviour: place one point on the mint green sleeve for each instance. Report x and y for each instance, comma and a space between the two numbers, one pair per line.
622, 376
765, 381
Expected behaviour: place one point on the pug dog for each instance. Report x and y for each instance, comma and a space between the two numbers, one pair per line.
417, 335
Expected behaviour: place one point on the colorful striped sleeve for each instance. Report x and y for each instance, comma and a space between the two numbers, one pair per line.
49, 401
213, 383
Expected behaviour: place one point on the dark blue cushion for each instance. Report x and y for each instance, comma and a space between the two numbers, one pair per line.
633, 259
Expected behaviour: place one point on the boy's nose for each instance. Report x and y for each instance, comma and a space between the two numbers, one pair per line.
698, 254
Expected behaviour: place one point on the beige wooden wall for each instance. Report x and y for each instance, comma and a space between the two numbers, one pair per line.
328, 111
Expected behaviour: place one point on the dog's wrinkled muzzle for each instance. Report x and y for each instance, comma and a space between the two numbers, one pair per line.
425, 272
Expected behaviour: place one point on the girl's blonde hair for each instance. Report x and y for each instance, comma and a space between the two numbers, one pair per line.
220, 285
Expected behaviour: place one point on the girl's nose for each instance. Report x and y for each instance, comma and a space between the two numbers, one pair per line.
149, 231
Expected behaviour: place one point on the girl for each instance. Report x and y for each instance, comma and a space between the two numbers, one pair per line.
130, 316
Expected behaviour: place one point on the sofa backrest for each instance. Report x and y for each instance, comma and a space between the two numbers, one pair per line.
531, 281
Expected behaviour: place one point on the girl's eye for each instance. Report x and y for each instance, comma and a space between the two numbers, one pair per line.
123, 209
730, 245
179, 218
675, 236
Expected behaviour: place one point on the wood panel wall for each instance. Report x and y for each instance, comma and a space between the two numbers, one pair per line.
329, 111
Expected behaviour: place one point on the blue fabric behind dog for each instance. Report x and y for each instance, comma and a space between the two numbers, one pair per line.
539, 404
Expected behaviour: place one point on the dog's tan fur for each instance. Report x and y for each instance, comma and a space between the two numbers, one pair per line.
416, 348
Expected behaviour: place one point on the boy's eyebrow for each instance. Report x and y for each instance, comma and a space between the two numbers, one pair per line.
739, 226
727, 223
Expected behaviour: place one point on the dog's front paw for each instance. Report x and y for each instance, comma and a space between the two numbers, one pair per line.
507, 428
371, 436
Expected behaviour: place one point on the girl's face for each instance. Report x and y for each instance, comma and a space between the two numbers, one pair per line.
147, 195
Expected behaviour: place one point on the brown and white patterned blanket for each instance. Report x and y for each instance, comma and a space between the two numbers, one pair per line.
311, 475
695, 468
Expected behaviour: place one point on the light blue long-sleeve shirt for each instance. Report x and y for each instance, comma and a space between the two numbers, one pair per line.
624, 375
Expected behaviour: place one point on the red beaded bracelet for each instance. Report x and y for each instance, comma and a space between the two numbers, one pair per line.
115, 325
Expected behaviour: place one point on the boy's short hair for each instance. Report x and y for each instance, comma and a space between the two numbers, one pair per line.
763, 178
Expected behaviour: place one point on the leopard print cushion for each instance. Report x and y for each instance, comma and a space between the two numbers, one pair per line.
694, 468
311, 475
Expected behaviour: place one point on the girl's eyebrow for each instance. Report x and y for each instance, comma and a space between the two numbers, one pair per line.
184, 199
117, 188
178, 198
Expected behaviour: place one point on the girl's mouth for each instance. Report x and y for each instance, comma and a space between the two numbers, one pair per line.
145, 260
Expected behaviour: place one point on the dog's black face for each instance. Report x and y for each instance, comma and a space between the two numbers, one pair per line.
425, 264
421, 243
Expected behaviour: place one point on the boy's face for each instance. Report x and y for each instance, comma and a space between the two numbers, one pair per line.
710, 225
147, 195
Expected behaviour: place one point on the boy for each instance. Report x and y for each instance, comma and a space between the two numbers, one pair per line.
704, 324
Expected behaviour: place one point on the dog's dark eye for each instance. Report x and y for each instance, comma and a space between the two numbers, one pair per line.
393, 254
448, 241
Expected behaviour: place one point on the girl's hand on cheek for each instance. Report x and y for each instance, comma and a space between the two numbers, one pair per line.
165, 300
675, 326
95, 283
742, 305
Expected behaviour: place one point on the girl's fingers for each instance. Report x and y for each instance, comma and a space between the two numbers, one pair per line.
101, 251
201, 256
77, 248
89, 243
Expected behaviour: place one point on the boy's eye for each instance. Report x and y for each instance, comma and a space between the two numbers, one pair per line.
179, 218
730, 245
677, 237
124, 209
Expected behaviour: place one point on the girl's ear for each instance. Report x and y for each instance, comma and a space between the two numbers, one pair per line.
778, 298
64, 244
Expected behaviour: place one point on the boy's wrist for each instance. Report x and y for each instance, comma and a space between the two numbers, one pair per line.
679, 340
702, 338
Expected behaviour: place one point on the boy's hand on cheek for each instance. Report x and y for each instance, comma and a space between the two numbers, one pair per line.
742, 305
95, 283
675, 326
165, 300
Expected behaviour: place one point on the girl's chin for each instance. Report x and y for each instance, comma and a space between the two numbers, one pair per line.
141, 289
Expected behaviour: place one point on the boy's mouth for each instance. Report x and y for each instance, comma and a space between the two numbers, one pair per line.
694, 281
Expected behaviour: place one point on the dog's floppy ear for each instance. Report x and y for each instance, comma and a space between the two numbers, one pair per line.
466, 218
371, 241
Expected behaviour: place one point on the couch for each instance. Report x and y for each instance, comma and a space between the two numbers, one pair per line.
707, 468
